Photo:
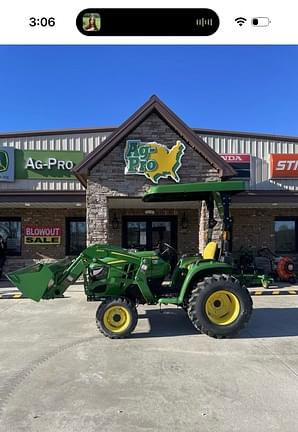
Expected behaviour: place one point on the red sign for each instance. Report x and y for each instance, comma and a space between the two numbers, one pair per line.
283, 165
42, 235
236, 158
240, 163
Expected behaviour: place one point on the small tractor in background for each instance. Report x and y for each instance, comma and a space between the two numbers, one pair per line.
216, 302
262, 267
281, 267
250, 270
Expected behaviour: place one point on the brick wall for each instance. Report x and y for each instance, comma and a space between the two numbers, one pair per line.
252, 227
255, 227
107, 178
40, 217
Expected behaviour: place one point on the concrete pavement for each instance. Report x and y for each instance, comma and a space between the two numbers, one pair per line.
58, 373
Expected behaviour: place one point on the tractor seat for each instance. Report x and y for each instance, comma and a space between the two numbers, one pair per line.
211, 251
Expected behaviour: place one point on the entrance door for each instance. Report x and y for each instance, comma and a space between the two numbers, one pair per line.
144, 233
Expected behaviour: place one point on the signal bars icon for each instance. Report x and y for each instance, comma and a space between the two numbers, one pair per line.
240, 20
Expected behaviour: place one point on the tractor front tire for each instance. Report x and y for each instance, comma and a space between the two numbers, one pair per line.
219, 306
116, 318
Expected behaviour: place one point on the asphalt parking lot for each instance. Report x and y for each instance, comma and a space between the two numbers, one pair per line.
58, 373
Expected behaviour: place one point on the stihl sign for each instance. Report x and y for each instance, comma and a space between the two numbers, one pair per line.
283, 166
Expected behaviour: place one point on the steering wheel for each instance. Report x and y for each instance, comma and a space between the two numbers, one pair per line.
168, 253
166, 248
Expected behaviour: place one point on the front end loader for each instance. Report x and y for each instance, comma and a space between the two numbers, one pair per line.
203, 285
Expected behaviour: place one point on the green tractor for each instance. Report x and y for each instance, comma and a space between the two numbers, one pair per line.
204, 286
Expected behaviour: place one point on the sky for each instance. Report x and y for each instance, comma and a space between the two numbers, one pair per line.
241, 88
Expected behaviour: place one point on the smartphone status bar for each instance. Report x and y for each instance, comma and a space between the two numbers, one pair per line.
76, 23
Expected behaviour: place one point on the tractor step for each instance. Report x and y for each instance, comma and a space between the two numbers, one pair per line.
168, 300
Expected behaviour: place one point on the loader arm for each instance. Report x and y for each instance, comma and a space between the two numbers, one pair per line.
49, 281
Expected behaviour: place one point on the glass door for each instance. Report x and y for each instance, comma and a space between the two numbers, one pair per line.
161, 233
146, 232
136, 235
75, 236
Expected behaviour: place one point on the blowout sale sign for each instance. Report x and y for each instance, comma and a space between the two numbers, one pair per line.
42, 235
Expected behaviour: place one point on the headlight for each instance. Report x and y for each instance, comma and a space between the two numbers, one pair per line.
98, 272
51, 283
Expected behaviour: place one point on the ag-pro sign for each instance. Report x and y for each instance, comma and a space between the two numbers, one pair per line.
50, 163
35, 164
153, 160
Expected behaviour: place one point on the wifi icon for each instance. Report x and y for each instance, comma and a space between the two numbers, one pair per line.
240, 20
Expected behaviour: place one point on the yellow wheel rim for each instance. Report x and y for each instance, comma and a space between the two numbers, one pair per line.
116, 319
222, 307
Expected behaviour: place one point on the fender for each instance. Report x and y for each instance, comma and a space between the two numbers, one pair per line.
204, 267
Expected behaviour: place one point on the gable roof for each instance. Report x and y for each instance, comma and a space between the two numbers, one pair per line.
154, 104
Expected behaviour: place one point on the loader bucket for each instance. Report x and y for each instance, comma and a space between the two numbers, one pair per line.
34, 281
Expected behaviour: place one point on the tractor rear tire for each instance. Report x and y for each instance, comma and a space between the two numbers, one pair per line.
219, 306
116, 318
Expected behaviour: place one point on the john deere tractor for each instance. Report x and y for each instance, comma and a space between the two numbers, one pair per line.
203, 285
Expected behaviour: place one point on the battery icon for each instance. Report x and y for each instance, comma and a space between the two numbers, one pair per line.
260, 22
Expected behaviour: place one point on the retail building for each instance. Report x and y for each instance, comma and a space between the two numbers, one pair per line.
62, 188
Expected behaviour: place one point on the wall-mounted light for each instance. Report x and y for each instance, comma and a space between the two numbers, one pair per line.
115, 222
184, 221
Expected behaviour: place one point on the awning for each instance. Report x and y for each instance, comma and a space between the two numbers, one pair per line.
191, 191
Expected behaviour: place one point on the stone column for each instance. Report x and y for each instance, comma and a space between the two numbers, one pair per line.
203, 229
97, 215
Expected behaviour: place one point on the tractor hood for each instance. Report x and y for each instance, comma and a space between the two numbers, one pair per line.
192, 191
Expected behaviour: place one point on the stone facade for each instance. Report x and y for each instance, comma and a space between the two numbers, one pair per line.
107, 179
203, 227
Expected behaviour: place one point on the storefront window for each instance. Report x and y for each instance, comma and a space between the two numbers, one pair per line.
146, 232
10, 230
285, 236
75, 236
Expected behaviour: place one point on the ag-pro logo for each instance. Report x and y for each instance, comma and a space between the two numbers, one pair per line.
4, 161
7, 164
153, 160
